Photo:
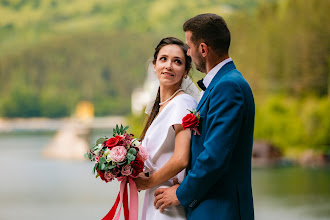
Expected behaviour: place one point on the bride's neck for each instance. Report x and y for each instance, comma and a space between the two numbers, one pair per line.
167, 92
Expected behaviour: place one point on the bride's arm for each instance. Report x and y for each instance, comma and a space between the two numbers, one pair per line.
174, 165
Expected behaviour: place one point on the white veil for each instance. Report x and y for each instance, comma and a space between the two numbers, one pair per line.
187, 85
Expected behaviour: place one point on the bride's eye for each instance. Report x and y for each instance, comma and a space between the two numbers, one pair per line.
162, 58
178, 61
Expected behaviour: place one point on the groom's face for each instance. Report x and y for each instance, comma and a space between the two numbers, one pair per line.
195, 54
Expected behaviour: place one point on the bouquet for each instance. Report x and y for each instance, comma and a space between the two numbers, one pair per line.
119, 157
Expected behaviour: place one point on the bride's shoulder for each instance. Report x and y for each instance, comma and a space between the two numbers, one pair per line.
186, 99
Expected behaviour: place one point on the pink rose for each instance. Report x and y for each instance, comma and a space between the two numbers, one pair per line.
126, 170
118, 154
142, 154
108, 176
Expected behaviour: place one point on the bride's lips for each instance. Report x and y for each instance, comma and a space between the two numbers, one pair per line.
167, 73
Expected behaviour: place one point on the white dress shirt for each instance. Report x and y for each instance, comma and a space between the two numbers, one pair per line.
210, 75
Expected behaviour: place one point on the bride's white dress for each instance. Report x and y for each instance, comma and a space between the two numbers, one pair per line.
159, 141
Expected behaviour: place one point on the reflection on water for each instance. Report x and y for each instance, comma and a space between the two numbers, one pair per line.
291, 193
35, 188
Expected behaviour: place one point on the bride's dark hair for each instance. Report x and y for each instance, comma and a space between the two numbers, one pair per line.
164, 42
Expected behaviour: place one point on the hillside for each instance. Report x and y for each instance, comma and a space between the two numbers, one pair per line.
56, 53
26, 23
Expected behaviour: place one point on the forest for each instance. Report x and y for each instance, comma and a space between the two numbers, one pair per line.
54, 54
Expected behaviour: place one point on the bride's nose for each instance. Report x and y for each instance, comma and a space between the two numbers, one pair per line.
168, 66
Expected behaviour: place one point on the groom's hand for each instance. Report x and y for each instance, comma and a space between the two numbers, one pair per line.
166, 197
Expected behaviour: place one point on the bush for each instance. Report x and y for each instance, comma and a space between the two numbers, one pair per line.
21, 102
294, 123
111, 106
53, 105
136, 124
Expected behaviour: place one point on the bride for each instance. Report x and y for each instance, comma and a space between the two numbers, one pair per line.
167, 143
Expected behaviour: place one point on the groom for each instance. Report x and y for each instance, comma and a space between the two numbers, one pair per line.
218, 181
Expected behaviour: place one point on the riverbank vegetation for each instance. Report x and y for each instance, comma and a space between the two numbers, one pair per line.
54, 54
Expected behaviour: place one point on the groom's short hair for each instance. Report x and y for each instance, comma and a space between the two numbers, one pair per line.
210, 29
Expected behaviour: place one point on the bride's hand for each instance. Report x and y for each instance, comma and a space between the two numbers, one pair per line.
142, 182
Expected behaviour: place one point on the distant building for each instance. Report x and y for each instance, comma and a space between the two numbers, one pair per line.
142, 96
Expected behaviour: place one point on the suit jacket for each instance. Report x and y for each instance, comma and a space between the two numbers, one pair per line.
218, 181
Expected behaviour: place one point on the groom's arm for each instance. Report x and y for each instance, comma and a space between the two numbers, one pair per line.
224, 119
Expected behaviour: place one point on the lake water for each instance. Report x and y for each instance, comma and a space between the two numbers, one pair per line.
33, 187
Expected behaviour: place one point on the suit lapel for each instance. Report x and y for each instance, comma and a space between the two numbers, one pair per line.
225, 69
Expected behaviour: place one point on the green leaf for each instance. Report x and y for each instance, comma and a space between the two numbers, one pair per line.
117, 129
120, 130
86, 155
101, 140
121, 163
102, 166
102, 160
126, 128
110, 166
94, 169
92, 147
132, 151
130, 157
97, 175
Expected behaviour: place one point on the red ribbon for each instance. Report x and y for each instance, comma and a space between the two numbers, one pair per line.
122, 200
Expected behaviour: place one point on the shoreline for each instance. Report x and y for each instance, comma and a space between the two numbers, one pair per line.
55, 124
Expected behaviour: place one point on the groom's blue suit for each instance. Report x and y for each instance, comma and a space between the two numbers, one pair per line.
218, 182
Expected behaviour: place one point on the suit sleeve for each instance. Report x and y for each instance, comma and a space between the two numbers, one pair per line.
224, 119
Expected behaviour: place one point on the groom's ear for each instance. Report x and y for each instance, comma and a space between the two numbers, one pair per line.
204, 49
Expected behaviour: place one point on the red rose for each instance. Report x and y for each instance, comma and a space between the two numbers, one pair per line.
120, 140
101, 174
190, 121
111, 142
137, 166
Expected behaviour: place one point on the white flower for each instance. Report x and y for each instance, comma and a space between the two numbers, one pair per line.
108, 158
106, 152
135, 142
97, 149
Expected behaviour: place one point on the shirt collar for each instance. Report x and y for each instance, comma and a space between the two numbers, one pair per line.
209, 76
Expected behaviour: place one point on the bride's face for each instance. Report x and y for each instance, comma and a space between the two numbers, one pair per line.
170, 65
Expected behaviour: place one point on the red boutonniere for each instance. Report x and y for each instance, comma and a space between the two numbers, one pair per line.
191, 121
